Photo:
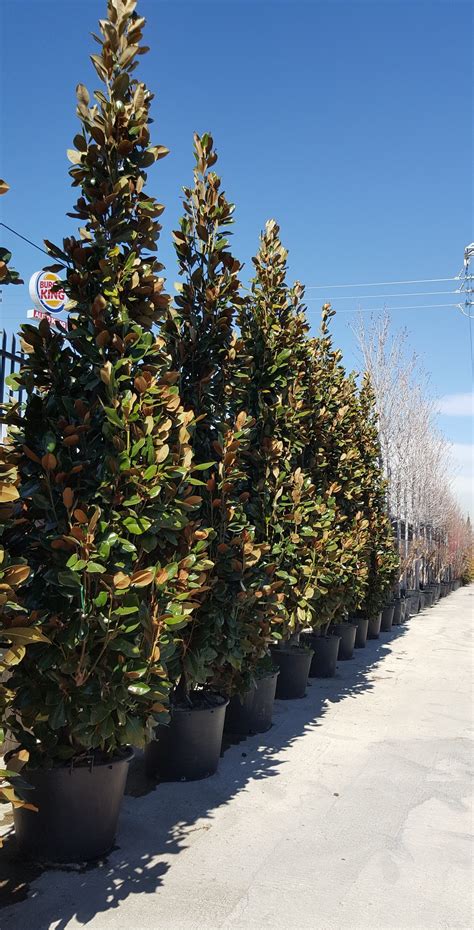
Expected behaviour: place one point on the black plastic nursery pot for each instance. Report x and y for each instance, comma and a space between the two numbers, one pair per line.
373, 629
323, 663
361, 632
397, 612
415, 602
78, 811
294, 663
253, 711
189, 747
347, 632
387, 618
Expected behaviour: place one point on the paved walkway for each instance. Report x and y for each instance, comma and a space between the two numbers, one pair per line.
350, 814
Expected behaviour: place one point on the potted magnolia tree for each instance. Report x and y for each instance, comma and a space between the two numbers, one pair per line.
373, 500
102, 509
231, 629
382, 570
335, 461
14, 638
289, 516
380, 554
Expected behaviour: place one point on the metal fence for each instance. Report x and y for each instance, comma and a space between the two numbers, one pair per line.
10, 361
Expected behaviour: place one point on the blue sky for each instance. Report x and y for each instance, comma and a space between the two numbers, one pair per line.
350, 123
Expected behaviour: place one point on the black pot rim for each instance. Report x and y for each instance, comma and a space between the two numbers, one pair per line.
196, 710
128, 755
294, 650
327, 636
272, 674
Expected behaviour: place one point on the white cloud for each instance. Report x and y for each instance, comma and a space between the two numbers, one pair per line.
463, 479
463, 455
457, 405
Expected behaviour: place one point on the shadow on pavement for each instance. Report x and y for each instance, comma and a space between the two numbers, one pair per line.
157, 821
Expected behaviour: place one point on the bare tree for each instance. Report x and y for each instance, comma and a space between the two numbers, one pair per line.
416, 456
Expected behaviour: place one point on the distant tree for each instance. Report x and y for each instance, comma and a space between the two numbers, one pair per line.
416, 457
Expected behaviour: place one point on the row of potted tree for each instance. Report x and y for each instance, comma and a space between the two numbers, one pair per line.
191, 497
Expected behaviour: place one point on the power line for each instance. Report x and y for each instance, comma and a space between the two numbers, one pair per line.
375, 296
25, 239
389, 309
327, 287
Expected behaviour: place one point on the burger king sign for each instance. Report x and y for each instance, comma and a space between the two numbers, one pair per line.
45, 293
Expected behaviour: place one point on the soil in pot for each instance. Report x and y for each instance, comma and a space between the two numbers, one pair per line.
189, 747
252, 712
373, 630
294, 664
361, 632
78, 810
323, 663
387, 618
347, 632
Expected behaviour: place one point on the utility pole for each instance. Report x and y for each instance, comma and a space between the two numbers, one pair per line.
467, 279
467, 288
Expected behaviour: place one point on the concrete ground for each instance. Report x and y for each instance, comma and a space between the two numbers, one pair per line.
352, 813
